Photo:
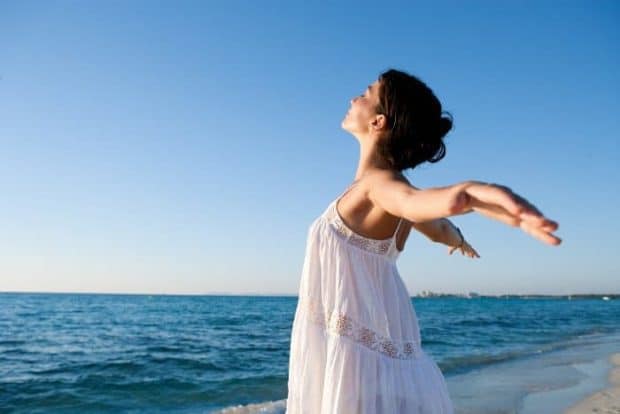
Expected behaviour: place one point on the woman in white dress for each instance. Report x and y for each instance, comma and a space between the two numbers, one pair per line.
355, 340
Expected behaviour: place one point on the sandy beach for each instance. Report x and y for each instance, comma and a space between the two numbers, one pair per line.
606, 401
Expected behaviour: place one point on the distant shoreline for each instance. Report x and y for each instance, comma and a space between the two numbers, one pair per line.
424, 295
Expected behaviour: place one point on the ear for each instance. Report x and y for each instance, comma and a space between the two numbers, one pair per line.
379, 122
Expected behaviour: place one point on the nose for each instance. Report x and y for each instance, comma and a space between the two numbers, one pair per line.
353, 100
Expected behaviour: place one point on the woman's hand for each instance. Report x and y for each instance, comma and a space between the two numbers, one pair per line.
501, 203
465, 249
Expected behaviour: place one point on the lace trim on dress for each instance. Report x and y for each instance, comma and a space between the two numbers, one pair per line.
343, 325
371, 245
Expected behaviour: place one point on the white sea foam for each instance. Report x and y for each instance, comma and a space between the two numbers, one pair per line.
270, 407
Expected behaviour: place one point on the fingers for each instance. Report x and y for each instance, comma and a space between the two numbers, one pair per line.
473, 252
502, 199
540, 233
466, 249
470, 251
532, 214
527, 206
500, 203
537, 220
539, 228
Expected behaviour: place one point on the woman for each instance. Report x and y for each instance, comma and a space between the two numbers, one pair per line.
355, 342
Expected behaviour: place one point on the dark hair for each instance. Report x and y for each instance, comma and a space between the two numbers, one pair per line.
414, 121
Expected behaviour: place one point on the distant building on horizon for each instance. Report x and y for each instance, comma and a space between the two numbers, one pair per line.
431, 294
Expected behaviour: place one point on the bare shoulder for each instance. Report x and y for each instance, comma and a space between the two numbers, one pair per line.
390, 191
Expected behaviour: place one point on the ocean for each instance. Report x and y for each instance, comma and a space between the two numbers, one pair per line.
108, 353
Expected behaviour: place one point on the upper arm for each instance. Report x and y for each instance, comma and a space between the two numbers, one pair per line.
393, 193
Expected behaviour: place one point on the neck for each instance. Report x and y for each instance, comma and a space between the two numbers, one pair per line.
369, 158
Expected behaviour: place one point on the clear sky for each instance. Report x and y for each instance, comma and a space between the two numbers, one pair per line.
185, 147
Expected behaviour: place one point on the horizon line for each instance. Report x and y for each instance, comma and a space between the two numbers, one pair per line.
291, 294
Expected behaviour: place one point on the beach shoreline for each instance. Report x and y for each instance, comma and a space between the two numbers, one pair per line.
605, 401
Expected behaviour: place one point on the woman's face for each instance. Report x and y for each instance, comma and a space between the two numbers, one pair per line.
362, 111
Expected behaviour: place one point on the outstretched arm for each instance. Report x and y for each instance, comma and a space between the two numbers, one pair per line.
456, 240
491, 200
442, 230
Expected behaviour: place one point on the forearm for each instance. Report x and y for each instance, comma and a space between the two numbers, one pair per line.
437, 202
448, 234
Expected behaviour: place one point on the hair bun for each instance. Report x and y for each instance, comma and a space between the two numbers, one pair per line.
420, 126
445, 124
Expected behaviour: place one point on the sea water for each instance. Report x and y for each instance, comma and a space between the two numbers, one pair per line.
79, 353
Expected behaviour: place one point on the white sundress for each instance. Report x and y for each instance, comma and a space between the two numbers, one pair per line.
355, 341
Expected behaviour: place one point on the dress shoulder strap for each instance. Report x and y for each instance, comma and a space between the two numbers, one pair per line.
393, 247
400, 221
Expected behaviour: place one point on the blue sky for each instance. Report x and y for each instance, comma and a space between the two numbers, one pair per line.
185, 147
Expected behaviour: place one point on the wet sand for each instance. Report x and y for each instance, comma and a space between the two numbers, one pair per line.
606, 401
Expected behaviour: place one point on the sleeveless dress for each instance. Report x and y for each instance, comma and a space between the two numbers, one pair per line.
355, 342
